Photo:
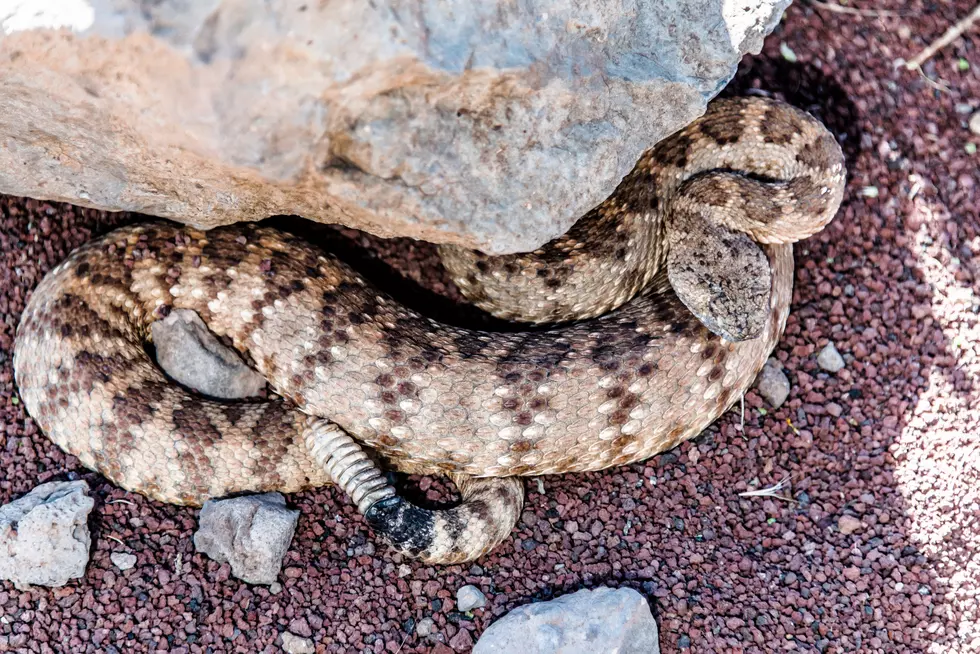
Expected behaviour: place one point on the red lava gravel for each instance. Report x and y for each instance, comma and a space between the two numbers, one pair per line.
875, 552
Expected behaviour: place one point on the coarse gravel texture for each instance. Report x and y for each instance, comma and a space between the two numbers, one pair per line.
876, 551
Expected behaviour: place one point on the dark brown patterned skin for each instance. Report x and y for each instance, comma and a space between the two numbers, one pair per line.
428, 397
759, 166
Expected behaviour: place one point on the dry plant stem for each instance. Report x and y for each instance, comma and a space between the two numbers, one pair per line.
851, 11
938, 85
951, 35
772, 491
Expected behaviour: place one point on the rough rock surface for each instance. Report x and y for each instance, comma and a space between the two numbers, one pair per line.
772, 383
191, 354
611, 620
251, 533
493, 125
44, 536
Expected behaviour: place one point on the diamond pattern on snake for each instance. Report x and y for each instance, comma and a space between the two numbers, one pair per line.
644, 323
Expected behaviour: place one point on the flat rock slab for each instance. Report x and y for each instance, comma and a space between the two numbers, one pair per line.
492, 125
607, 620
44, 536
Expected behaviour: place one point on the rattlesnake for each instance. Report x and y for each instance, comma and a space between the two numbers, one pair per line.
625, 371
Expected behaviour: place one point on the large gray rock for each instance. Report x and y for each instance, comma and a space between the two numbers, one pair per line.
44, 536
487, 124
607, 620
252, 533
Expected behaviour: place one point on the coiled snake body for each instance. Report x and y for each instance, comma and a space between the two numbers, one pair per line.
629, 368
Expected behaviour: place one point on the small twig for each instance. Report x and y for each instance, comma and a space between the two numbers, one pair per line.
772, 491
117, 540
939, 86
401, 644
851, 11
951, 35
121, 501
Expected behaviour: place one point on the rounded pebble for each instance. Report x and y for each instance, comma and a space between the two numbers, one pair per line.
469, 598
293, 644
773, 384
425, 627
122, 560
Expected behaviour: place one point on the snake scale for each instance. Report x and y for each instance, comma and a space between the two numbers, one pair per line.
659, 308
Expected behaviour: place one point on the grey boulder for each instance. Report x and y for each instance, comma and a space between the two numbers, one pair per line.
599, 621
251, 533
44, 536
486, 124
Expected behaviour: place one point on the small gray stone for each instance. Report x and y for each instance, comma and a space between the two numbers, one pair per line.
188, 351
469, 598
275, 588
830, 359
618, 620
251, 533
772, 383
425, 627
44, 536
122, 560
975, 123
293, 644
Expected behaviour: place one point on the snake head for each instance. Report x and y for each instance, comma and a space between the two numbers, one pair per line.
722, 276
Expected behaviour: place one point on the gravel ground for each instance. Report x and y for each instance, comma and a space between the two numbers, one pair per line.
873, 553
